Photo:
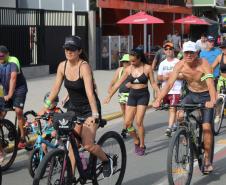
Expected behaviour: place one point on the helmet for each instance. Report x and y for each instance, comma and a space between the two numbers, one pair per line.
55, 102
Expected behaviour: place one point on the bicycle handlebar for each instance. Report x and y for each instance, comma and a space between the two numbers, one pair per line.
183, 106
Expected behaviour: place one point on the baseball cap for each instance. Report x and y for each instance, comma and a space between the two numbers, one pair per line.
125, 58
210, 38
72, 43
169, 44
3, 49
189, 46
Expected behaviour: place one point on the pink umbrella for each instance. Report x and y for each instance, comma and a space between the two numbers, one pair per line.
140, 18
191, 20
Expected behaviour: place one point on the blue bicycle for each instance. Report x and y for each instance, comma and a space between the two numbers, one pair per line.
41, 127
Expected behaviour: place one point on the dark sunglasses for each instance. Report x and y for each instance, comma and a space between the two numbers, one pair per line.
166, 49
189, 52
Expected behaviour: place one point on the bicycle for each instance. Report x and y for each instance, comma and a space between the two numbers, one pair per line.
186, 144
219, 110
89, 173
37, 153
8, 138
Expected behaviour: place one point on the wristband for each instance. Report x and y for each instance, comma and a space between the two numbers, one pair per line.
96, 115
47, 103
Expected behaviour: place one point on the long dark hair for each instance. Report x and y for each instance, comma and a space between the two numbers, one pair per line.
139, 53
83, 56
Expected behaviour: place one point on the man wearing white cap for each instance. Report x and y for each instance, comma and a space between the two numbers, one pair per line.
199, 77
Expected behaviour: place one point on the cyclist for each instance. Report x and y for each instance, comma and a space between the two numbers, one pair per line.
173, 97
77, 76
138, 73
14, 87
123, 90
199, 77
220, 61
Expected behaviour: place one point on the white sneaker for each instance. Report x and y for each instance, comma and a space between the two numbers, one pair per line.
217, 120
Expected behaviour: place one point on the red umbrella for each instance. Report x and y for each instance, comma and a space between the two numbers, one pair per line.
191, 20
140, 18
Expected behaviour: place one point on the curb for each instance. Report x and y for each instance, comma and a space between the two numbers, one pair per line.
115, 115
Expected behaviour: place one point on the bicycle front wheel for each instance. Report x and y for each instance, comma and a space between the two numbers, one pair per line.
180, 158
8, 141
218, 115
113, 145
54, 169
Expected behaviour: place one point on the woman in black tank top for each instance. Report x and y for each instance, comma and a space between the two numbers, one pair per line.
77, 76
221, 62
138, 74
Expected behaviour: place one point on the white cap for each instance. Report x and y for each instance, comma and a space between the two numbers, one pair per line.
189, 46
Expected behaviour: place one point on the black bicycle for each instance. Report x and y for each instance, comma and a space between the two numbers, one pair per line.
186, 145
55, 168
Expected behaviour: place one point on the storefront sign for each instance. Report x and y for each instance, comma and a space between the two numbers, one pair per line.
203, 2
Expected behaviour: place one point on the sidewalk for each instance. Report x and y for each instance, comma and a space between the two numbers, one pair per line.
38, 87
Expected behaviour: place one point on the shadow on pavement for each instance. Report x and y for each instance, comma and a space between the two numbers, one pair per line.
146, 180
220, 169
17, 166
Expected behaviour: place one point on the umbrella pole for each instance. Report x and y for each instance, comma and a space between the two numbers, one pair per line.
145, 38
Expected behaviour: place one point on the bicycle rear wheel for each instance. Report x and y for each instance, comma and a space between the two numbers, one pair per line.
113, 145
9, 141
180, 158
218, 115
54, 169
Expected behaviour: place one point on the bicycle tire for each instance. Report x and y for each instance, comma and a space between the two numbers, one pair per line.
219, 104
10, 143
174, 143
34, 161
48, 159
103, 139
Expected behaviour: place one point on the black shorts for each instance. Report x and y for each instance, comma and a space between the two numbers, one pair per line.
83, 111
17, 101
138, 97
197, 98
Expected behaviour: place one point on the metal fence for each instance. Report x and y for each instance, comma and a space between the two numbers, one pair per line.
36, 36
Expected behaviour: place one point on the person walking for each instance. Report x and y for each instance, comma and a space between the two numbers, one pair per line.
123, 89
173, 96
77, 76
138, 74
176, 40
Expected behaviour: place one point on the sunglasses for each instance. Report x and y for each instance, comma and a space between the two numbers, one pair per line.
189, 52
166, 49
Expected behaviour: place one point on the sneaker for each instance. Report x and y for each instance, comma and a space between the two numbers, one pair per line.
168, 132
2, 156
174, 128
108, 167
123, 133
136, 148
141, 151
22, 144
217, 120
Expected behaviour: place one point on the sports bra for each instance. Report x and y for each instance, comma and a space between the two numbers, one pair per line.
142, 79
222, 65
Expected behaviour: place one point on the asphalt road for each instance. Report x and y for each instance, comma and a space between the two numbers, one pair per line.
146, 170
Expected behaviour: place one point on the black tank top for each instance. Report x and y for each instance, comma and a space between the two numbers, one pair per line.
222, 65
142, 79
76, 89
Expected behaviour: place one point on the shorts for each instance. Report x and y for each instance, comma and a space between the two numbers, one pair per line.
138, 97
220, 83
17, 101
171, 99
84, 111
123, 98
197, 98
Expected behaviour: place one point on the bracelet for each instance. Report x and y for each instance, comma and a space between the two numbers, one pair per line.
47, 103
96, 115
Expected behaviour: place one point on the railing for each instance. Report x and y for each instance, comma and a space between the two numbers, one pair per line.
169, 2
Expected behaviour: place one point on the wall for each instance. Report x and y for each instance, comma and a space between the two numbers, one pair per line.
8, 3
80, 5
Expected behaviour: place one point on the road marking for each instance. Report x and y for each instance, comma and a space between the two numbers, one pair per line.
219, 145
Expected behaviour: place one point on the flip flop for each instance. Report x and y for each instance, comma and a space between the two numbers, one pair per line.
208, 168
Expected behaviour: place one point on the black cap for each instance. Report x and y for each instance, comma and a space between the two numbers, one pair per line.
73, 42
3, 49
223, 45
